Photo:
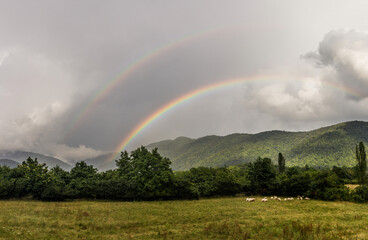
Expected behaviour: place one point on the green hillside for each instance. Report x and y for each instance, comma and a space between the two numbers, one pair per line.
324, 147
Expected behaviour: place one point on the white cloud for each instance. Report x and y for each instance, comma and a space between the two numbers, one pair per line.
345, 52
301, 100
71, 154
3, 56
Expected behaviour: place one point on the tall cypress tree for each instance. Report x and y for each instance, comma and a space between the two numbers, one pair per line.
361, 158
281, 161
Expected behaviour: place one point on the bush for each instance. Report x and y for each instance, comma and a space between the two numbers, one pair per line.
360, 194
338, 193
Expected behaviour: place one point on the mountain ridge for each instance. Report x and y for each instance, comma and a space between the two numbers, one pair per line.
323, 147
20, 156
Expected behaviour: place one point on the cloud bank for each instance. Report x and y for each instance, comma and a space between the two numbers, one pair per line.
56, 56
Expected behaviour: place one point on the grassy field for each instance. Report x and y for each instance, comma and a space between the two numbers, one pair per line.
222, 218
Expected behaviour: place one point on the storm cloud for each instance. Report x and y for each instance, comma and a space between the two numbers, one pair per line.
56, 57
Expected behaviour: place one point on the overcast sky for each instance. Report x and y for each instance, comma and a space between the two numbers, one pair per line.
56, 56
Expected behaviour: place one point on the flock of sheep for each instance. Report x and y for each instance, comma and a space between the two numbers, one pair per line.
265, 199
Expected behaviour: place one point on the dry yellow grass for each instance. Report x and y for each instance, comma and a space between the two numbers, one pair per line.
220, 218
352, 186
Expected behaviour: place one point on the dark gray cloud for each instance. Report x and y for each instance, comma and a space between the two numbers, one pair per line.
55, 56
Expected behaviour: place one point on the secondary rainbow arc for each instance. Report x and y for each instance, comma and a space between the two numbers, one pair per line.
107, 88
177, 101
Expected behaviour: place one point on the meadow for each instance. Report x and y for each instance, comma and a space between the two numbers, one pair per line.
217, 218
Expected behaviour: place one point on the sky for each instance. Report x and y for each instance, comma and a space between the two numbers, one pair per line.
78, 77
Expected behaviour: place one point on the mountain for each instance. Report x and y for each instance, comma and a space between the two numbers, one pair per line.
20, 156
323, 147
9, 163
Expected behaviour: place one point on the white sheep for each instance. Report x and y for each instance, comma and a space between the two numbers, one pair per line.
279, 199
264, 200
307, 198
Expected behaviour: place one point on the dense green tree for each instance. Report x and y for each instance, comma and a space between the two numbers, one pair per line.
326, 185
146, 173
360, 194
281, 162
226, 182
33, 176
83, 181
242, 177
361, 159
347, 174
56, 189
294, 183
203, 179
6, 182
262, 176
184, 188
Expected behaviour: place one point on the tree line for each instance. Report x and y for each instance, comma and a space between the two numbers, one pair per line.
146, 175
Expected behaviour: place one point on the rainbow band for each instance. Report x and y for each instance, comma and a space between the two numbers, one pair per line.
202, 90
169, 106
133, 67
205, 89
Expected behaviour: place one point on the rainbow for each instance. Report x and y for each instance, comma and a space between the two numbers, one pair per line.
133, 67
162, 110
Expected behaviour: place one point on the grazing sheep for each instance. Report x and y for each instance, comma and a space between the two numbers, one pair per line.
250, 199
279, 199
307, 198
271, 198
264, 200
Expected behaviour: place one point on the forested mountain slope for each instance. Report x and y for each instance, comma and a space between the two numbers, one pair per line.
324, 147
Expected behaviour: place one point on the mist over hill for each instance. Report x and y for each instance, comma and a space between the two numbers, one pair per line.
324, 147
9, 163
20, 156
102, 162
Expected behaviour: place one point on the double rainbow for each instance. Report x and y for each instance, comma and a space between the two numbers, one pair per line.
190, 95
108, 87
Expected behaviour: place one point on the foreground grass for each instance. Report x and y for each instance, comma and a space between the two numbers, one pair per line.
222, 218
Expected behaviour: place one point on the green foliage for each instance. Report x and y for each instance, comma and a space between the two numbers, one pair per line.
324, 147
35, 177
262, 176
361, 159
360, 194
6, 182
213, 181
344, 173
295, 182
184, 188
56, 189
147, 174
83, 181
281, 162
